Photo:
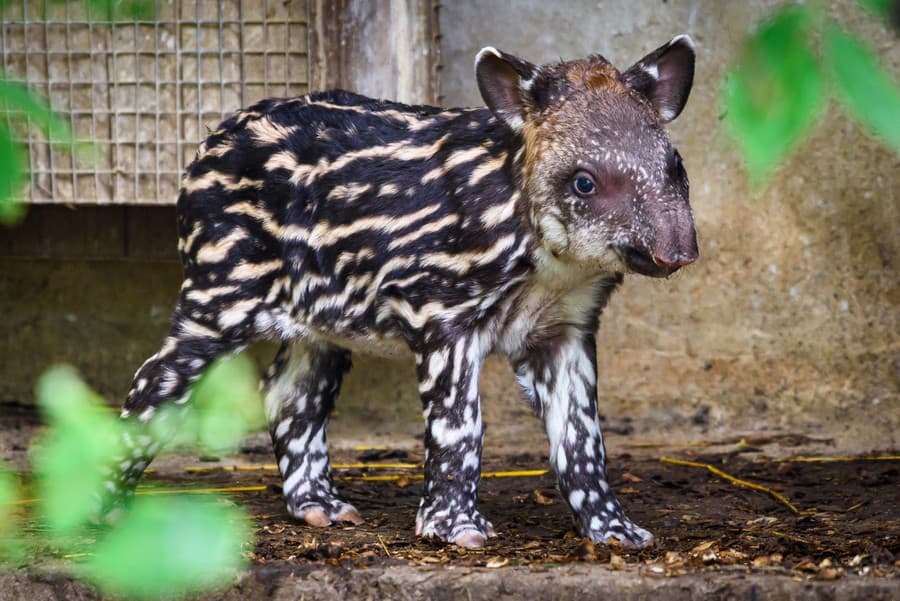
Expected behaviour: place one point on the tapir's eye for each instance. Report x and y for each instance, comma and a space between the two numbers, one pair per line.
583, 185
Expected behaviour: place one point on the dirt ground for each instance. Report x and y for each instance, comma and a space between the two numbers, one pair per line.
849, 520
701, 521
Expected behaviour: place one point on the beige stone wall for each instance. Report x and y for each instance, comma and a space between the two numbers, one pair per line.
792, 315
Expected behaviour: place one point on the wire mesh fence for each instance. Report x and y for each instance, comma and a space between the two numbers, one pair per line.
146, 91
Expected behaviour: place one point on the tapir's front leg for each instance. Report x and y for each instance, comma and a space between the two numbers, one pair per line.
448, 384
560, 378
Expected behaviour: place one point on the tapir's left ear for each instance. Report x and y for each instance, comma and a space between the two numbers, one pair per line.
665, 76
505, 82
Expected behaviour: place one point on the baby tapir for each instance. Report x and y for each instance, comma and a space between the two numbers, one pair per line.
337, 223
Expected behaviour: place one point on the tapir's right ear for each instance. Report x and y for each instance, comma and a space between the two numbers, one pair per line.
504, 81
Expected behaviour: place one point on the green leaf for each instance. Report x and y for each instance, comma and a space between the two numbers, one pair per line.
774, 93
879, 7
227, 403
9, 493
864, 87
121, 10
8, 496
170, 545
17, 98
12, 177
74, 457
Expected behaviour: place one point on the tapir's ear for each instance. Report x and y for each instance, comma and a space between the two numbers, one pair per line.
504, 81
665, 76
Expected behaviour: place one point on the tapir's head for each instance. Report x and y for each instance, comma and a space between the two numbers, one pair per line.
605, 185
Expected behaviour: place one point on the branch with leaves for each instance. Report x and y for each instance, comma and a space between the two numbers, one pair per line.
775, 92
162, 545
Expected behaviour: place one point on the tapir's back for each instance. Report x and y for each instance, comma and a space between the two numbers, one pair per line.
347, 209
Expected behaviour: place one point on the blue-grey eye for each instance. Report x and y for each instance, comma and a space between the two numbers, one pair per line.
584, 185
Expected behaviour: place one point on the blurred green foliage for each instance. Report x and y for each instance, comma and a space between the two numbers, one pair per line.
10, 544
22, 110
168, 546
100, 10
777, 89
884, 8
865, 89
74, 457
8, 496
163, 545
13, 175
224, 407
119, 10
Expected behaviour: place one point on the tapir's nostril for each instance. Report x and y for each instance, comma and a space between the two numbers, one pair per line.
678, 260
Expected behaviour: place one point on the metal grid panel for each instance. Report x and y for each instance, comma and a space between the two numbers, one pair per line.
146, 92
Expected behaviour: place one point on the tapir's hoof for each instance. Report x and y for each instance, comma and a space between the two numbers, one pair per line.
317, 517
469, 539
625, 534
351, 515
323, 512
469, 530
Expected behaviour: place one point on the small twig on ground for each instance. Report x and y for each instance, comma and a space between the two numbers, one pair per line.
737, 481
384, 546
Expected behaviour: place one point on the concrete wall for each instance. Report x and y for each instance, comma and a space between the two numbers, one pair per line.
789, 321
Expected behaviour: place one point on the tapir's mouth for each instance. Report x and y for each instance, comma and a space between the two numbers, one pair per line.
641, 262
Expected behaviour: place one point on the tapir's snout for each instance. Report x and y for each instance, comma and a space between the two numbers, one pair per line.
676, 242
674, 247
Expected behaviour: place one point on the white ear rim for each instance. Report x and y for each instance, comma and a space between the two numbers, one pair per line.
667, 114
516, 122
685, 38
484, 52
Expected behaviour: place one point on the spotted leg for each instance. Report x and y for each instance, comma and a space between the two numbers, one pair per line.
302, 385
192, 344
560, 378
448, 384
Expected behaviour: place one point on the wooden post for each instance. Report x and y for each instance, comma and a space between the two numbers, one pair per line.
381, 48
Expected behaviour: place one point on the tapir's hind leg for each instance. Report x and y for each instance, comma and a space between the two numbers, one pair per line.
301, 387
196, 338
